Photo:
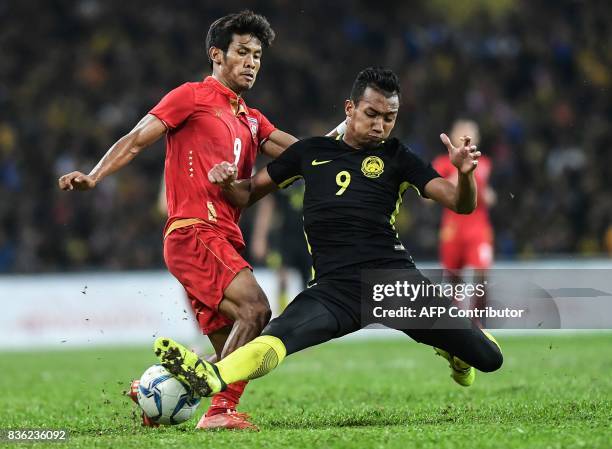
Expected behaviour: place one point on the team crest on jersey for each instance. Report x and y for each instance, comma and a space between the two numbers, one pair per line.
253, 125
372, 166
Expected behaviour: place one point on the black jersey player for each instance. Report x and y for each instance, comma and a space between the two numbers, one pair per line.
354, 187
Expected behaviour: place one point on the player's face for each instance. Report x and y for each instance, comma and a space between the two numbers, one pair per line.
371, 120
239, 65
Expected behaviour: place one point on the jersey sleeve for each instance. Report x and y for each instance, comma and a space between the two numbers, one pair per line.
265, 127
176, 106
287, 168
416, 171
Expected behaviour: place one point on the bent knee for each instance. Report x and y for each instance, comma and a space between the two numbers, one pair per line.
256, 309
263, 314
492, 362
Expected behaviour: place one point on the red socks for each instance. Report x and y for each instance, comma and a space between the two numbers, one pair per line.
228, 399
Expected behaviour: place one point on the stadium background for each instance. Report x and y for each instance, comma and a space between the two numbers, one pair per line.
84, 72
77, 75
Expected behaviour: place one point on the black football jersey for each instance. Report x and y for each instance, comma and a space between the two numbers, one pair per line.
351, 199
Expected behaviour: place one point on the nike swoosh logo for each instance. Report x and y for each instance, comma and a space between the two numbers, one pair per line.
315, 162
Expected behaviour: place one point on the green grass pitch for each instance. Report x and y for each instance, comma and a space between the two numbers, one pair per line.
552, 392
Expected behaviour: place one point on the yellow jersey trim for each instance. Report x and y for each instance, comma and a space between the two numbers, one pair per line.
182, 223
312, 269
289, 181
402, 189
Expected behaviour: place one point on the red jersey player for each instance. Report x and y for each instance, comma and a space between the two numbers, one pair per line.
467, 240
207, 122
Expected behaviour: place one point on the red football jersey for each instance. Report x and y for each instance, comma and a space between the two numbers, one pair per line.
204, 130
443, 165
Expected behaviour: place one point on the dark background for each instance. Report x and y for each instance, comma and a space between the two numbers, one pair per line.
76, 75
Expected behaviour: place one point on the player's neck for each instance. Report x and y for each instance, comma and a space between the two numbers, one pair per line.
353, 144
226, 84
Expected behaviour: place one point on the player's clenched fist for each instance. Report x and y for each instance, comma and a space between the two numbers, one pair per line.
223, 174
465, 157
76, 181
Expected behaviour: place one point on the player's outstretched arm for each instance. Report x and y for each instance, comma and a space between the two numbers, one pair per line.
145, 133
462, 197
241, 193
340, 129
277, 142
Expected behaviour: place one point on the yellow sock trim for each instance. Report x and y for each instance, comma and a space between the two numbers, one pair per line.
255, 359
283, 300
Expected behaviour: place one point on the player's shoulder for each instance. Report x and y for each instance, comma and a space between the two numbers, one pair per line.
191, 92
314, 143
321, 141
396, 147
182, 90
254, 112
188, 86
202, 91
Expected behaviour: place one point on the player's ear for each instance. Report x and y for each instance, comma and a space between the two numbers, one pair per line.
349, 107
215, 54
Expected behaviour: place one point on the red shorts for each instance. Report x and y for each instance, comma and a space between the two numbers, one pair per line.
205, 264
466, 246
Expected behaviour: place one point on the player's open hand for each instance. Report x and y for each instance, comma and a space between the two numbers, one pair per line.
464, 157
76, 181
223, 174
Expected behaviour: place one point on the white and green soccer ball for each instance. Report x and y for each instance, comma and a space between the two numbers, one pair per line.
164, 398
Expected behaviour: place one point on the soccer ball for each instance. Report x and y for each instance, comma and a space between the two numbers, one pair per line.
164, 398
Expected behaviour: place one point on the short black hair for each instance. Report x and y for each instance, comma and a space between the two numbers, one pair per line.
222, 30
381, 79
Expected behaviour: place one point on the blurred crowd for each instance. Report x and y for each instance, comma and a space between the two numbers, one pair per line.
76, 75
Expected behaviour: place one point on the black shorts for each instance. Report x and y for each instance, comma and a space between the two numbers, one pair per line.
331, 308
